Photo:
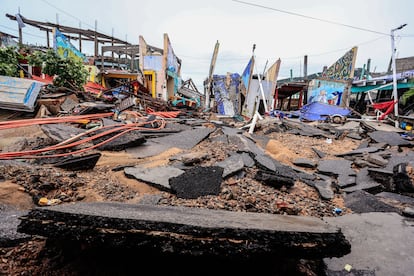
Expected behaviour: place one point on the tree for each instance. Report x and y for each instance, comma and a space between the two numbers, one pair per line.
69, 72
9, 60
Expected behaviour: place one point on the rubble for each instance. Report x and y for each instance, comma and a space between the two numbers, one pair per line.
134, 169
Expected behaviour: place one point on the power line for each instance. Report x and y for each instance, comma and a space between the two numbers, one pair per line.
23, 32
309, 17
75, 17
68, 14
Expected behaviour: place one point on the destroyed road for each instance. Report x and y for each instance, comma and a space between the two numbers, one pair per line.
82, 217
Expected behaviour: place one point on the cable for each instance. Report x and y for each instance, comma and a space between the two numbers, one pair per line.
65, 12
310, 17
75, 17
118, 130
23, 32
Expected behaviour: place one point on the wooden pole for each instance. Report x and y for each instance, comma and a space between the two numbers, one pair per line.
80, 38
47, 38
96, 39
20, 37
210, 75
112, 44
305, 67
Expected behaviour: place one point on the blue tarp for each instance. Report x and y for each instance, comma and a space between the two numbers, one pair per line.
317, 111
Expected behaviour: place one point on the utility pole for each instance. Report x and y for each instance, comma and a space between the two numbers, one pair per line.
20, 31
394, 73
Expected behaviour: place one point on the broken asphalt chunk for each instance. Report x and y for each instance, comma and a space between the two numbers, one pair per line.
364, 182
406, 200
231, 165
197, 181
158, 176
319, 153
9, 220
335, 167
273, 179
61, 132
389, 137
187, 231
127, 140
186, 139
378, 241
324, 188
363, 202
78, 163
305, 162
358, 151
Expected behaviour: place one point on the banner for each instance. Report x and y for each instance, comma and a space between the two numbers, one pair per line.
343, 68
64, 48
247, 73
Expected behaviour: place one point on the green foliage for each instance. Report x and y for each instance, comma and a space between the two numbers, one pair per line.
9, 60
70, 73
36, 58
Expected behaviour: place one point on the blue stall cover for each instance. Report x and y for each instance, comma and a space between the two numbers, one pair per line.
317, 111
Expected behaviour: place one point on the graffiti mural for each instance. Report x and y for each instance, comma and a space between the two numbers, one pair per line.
343, 68
324, 91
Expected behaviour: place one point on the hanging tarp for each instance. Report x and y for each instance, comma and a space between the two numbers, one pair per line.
64, 48
18, 94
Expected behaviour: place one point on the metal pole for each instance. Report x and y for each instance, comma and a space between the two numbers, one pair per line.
96, 40
260, 83
394, 73
20, 33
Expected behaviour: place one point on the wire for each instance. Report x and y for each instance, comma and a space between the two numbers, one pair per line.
310, 17
68, 14
117, 130
75, 17
23, 32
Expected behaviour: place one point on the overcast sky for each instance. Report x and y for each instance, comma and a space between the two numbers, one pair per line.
280, 29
